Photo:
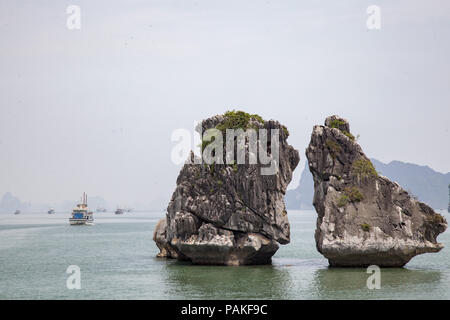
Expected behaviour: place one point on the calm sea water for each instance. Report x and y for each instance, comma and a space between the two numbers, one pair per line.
117, 261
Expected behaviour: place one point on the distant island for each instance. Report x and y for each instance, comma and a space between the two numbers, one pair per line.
422, 182
10, 203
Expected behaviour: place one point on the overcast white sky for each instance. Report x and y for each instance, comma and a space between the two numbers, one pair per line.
93, 109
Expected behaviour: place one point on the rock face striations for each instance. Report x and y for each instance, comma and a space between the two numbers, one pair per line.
364, 218
448, 208
228, 213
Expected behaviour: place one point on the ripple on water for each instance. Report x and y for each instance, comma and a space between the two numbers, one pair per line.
117, 261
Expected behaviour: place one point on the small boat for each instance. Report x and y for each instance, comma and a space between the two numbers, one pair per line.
51, 211
17, 212
118, 211
101, 210
81, 215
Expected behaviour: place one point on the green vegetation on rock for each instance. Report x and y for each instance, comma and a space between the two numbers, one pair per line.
350, 194
348, 134
343, 201
336, 123
366, 227
233, 120
353, 194
238, 120
364, 168
285, 130
436, 218
334, 147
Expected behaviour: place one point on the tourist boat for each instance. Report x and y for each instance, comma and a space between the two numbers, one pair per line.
17, 212
118, 211
51, 211
81, 215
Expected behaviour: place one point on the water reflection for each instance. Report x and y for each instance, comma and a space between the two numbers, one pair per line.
187, 281
296, 279
350, 283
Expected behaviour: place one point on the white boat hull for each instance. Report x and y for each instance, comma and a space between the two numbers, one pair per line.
79, 222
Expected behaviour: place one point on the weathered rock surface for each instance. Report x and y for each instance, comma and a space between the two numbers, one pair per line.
364, 218
229, 214
159, 236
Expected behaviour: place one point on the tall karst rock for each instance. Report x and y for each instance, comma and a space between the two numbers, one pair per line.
364, 218
230, 213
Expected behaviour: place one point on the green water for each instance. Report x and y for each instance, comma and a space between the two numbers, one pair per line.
117, 261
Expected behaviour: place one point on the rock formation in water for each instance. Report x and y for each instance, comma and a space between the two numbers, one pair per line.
448, 208
230, 214
159, 236
364, 218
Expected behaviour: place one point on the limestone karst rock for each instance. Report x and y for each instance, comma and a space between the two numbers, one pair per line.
159, 236
230, 214
364, 218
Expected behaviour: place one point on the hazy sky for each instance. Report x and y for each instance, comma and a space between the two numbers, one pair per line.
93, 109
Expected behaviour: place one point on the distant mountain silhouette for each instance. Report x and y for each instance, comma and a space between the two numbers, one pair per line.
301, 198
424, 183
10, 203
